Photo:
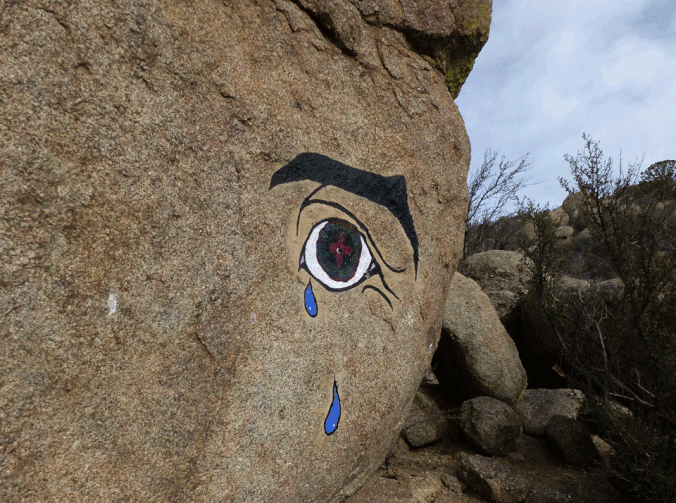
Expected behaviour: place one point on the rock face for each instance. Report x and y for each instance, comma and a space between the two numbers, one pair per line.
205, 292
501, 275
491, 425
476, 353
538, 406
451, 34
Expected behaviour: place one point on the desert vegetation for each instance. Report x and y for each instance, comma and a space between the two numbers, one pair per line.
606, 301
491, 189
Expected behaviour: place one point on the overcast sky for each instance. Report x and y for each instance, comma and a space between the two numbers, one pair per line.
553, 70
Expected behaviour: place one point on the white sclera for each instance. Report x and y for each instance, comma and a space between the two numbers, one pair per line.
318, 272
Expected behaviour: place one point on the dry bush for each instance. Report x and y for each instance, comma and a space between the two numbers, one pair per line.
491, 188
620, 346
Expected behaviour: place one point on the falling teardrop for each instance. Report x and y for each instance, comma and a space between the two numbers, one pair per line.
333, 417
310, 301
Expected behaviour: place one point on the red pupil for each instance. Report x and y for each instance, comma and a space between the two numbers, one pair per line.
339, 249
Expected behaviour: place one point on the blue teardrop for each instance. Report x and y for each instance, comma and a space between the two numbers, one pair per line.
310, 301
333, 417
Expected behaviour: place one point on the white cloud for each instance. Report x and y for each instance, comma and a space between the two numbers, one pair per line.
554, 106
566, 47
553, 70
633, 62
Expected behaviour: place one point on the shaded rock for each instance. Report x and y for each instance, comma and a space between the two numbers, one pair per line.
569, 284
572, 441
573, 206
538, 406
425, 423
494, 479
564, 236
492, 426
437, 28
157, 341
619, 412
430, 379
476, 356
502, 276
583, 236
610, 288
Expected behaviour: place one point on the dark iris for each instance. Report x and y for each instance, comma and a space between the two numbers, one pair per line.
339, 250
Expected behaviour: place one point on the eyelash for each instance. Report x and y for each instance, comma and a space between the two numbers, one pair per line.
336, 255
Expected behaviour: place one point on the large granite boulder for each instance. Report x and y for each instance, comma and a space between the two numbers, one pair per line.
476, 355
228, 231
559, 216
503, 276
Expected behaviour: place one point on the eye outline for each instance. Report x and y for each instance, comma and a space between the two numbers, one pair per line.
309, 200
372, 269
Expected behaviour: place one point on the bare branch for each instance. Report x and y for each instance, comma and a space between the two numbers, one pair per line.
490, 189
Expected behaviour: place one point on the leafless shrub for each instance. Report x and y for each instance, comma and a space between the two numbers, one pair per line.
621, 346
491, 188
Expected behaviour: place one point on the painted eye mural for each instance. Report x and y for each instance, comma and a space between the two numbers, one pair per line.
336, 255
340, 254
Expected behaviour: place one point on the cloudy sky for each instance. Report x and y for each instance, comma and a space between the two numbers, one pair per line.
553, 70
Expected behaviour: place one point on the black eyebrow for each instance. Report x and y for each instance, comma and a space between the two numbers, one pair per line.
387, 191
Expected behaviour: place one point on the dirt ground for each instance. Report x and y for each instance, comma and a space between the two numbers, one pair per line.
431, 475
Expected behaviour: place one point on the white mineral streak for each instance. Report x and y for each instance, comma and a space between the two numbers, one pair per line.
112, 303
